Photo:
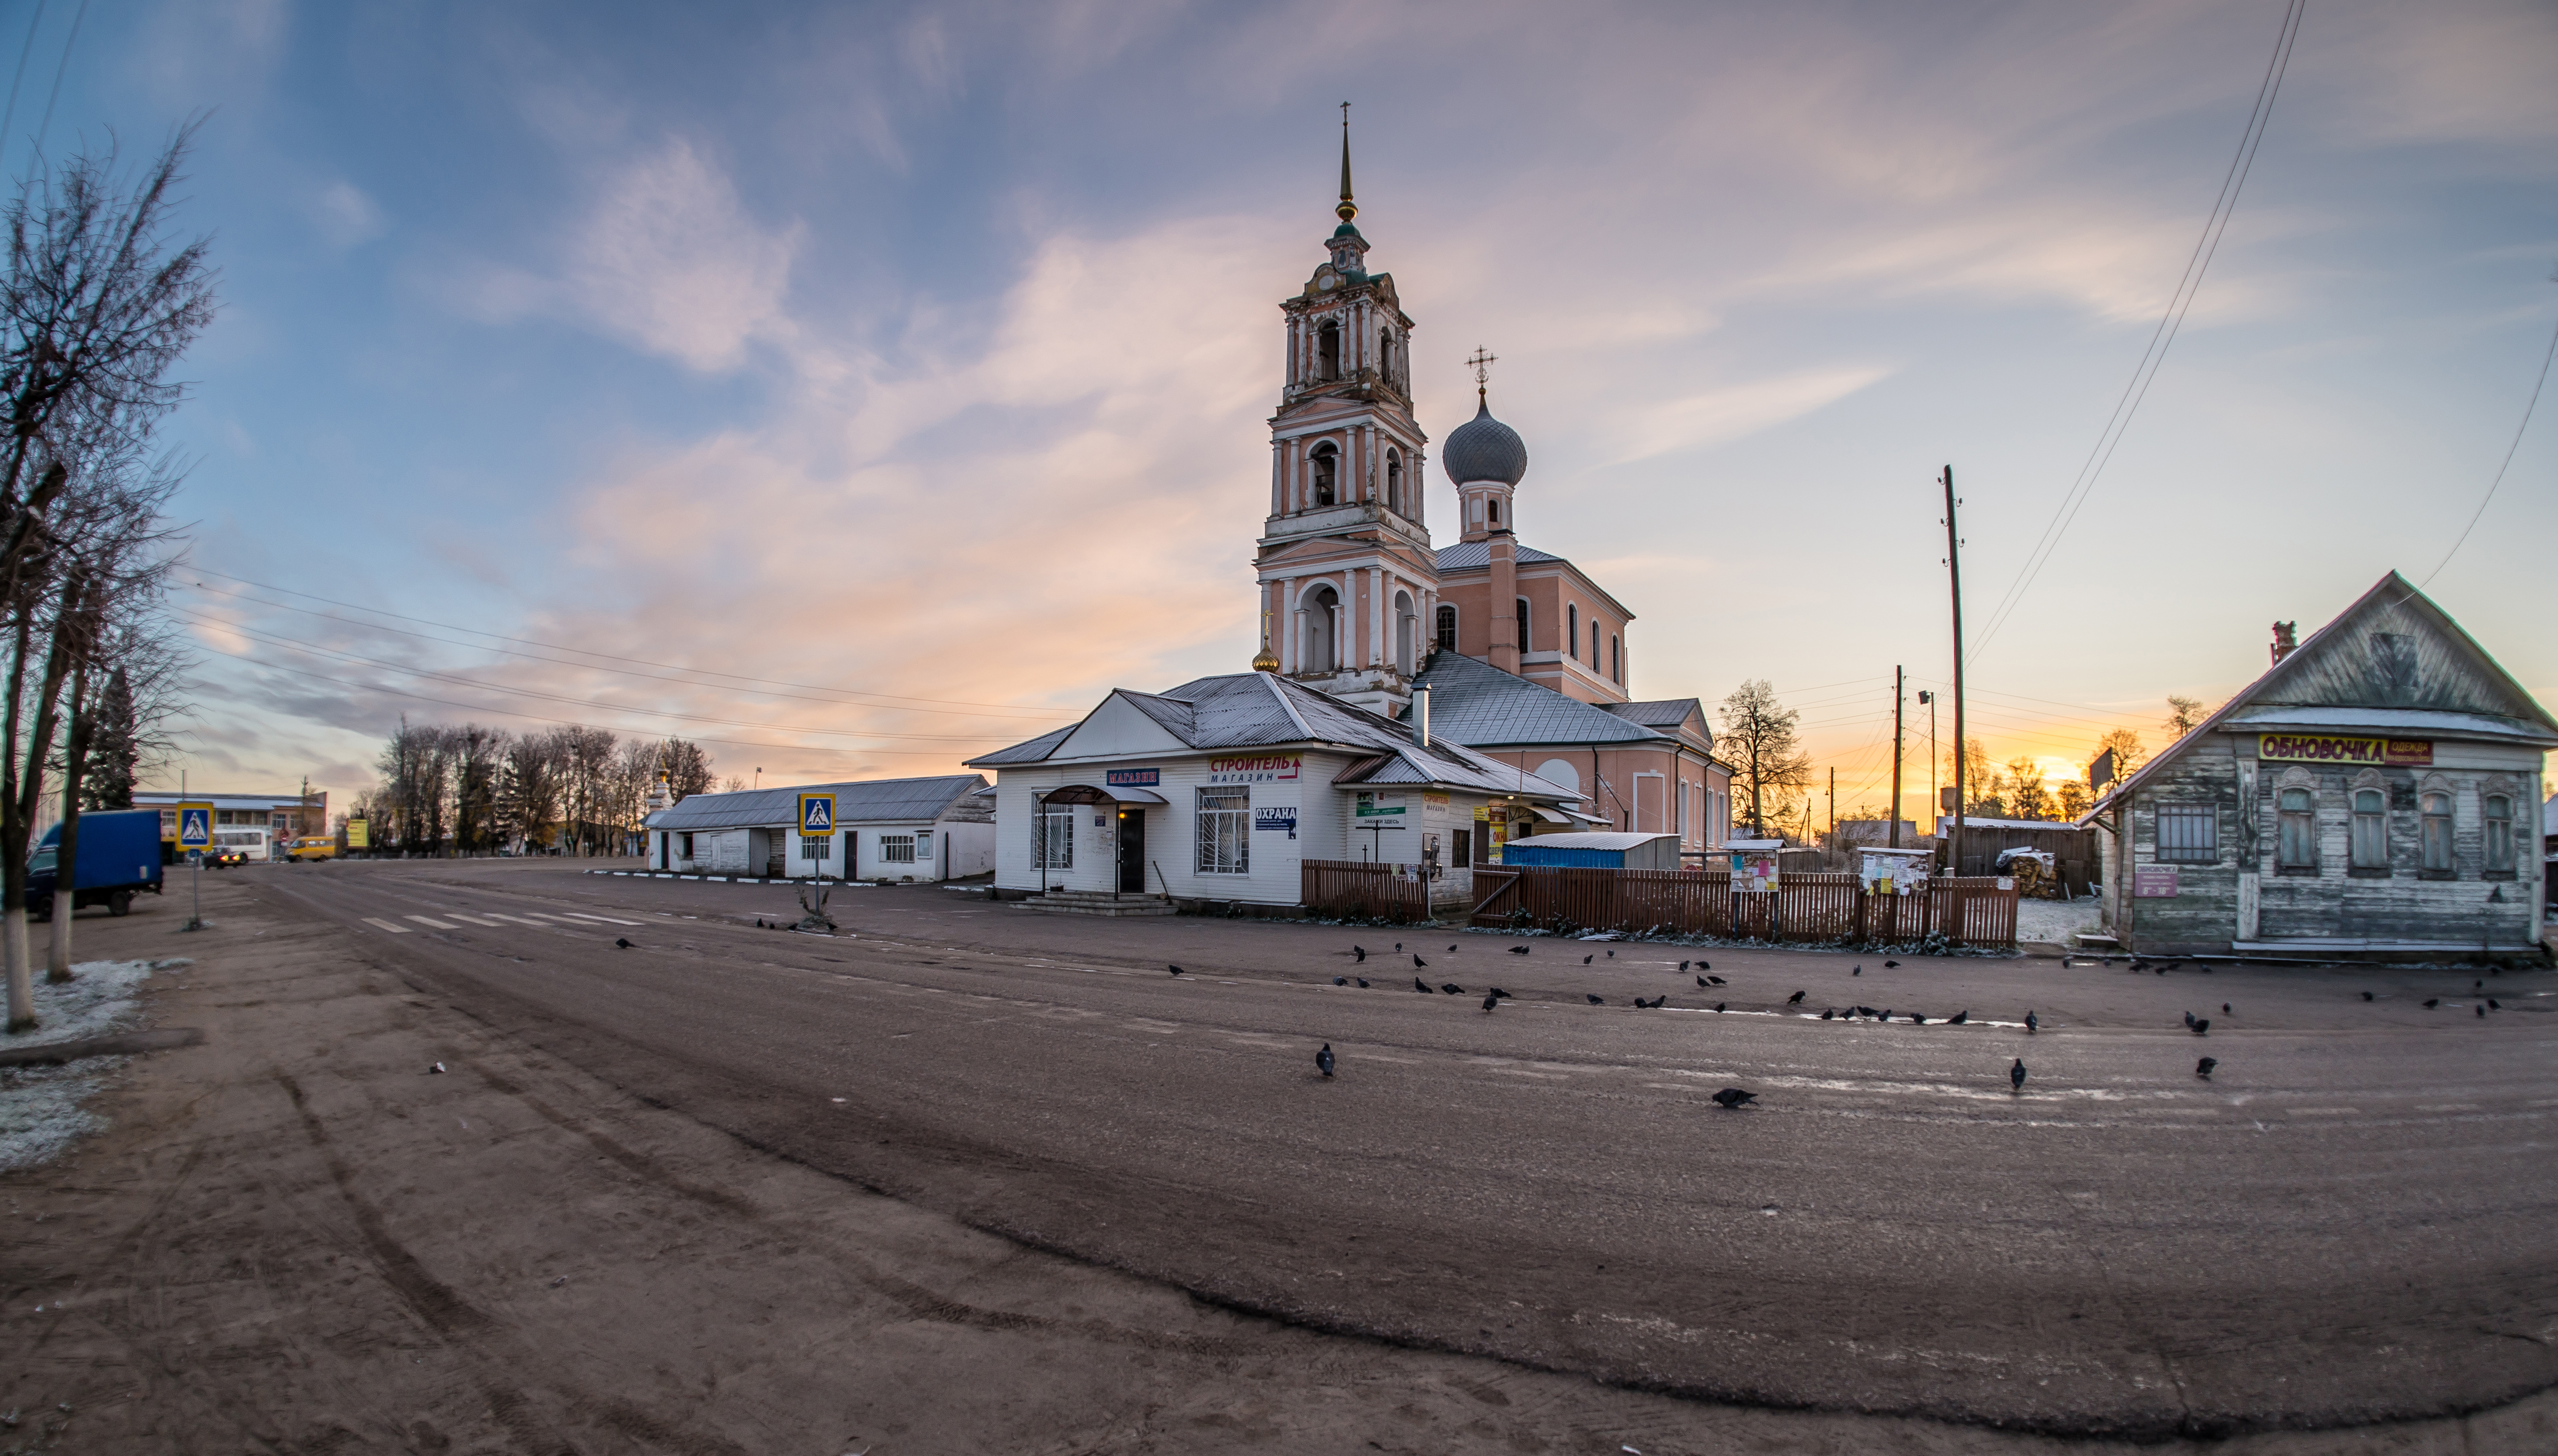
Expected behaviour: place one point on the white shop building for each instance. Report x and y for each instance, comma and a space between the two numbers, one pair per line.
1221, 789
940, 828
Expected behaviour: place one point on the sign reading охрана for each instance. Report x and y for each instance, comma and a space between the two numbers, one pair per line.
2320, 749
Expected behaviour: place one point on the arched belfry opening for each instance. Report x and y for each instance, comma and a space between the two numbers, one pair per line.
1327, 350
1394, 483
1327, 474
1322, 609
1407, 627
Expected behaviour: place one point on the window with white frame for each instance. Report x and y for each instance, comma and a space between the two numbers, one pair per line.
2369, 849
1053, 836
2499, 835
897, 849
1225, 830
923, 845
815, 847
2296, 824
2189, 834
2434, 837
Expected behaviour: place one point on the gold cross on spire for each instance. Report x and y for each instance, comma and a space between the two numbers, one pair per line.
1482, 363
1348, 209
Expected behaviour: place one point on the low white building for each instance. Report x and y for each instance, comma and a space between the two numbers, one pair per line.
1221, 790
940, 827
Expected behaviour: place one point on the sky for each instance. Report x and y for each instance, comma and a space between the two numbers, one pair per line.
858, 388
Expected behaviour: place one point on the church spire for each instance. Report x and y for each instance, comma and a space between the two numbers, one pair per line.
1348, 209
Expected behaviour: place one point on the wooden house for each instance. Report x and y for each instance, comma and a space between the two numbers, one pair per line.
2368, 796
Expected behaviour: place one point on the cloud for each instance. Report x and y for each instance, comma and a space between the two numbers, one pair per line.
670, 259
1728, 412
344, 215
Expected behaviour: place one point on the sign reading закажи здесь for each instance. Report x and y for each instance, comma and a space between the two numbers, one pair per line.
2322, 748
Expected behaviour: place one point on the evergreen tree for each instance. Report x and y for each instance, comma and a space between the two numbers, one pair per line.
115, 748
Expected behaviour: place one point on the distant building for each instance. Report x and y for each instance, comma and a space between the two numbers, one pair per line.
939, 828
2370, 795
282, 816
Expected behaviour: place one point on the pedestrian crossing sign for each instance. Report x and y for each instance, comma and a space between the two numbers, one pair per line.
195, 825
817, 814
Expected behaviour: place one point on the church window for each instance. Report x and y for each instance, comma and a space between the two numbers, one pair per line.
1594, 646
1616, 659
1522, 617
1394, 482
1494, 503
1447, 629
1572, 635
1326, 461
1327, 350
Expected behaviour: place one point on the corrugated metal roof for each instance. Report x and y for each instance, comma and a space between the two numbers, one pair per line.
1474, 555
858, 801
1477, 704
1029, 752
1593, 840
1660, 713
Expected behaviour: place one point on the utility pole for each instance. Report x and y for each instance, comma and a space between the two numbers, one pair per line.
1834, 806
1930, 700
1954, 579
1892, 832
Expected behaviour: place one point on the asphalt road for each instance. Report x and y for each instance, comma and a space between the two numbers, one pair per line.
2349, 1222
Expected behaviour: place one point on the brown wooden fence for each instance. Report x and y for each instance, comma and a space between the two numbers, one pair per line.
1803, 908
1364, 889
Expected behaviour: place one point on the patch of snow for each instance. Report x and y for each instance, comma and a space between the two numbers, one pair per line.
40, 1112
2054, 922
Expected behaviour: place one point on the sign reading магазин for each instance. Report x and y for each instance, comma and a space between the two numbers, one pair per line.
1131, 778
1258, 770
2325, 748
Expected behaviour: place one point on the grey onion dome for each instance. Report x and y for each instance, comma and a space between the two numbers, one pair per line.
1484, 449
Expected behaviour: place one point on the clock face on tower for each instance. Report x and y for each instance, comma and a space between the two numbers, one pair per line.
1328, 280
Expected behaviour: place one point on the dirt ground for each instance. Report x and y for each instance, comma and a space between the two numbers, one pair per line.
296, 1238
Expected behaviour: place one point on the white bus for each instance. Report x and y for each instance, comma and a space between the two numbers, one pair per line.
248, 844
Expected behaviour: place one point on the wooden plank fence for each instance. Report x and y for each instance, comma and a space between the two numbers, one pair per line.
1364, 889
1803, 908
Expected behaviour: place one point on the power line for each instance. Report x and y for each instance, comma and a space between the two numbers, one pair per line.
2501, 466
2216, 225
26, 49
581, 651
56, 94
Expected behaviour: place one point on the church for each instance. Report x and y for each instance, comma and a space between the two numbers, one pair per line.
1454, 697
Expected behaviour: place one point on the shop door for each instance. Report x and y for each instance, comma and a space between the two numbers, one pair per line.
1132, 851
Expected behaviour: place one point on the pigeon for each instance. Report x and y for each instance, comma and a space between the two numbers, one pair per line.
1891, 965
620, 944
2477, 985
1795, 999
1865, 1010
1683, 965
2494, 1005
2162, 970
2188, 1020
2031, 1021
1733, 1097
2202, 1069
1586, 960
1958, 1019
2433, 1002
1917, 1021
1701, 982
1490, 1001
1705, 964
1612, 955
1452, 988
433, 1070
1886, 1017
1362, 982
2016, 1075
1825, 1013
1340, 981
1859, 970
1360, 951
1176, 970
1324, 1059
1399, 944
1518, 950
1596, 1000
1417, 961
2204, 1026
1719, 1005
1452, 948
2482, 1010
2367, 996
1714, 981
2224, 1008
1642, 1004
1420, 985
759, 925
1504, 994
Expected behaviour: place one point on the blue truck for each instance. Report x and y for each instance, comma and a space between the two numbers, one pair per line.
120, 856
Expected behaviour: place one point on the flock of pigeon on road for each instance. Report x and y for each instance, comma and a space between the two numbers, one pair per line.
1733, 1098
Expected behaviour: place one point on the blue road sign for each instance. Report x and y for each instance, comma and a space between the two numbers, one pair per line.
817, 814
195, 825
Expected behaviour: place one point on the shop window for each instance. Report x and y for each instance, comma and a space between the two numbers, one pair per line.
2189, 834
2296, 831
2434, 835
1326, 474
1053, 836
1447, 629
899, 848
2499, 835
2371, 835
1225, 830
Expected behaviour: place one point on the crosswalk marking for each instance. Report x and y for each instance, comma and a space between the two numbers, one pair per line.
608, 920
386, 925
539, 916
429, 924
473, 919
518, 920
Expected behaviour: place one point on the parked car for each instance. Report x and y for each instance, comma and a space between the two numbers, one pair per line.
120, 856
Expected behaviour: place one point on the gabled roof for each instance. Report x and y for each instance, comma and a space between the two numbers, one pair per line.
859, 801
2436, 679
1263, 710
1668, 715
1482, 706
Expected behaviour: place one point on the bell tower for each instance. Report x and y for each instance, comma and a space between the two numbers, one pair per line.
1347, 576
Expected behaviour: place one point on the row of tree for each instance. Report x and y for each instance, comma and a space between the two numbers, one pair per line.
98, 303
466, 789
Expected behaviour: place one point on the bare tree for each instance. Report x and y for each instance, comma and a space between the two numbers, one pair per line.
2070, 798
2125, 746
1759, 732
2027, 798
2184, 715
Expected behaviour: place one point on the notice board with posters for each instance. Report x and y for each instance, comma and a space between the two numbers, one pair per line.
1754, 864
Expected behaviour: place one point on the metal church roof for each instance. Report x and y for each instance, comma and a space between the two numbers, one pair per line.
879, 800
1478, 704
1474, 555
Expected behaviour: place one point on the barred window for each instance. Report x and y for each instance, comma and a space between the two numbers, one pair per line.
2189, 834
2499, 835
1225, 830
2297, 842
1053, 836
897, 849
